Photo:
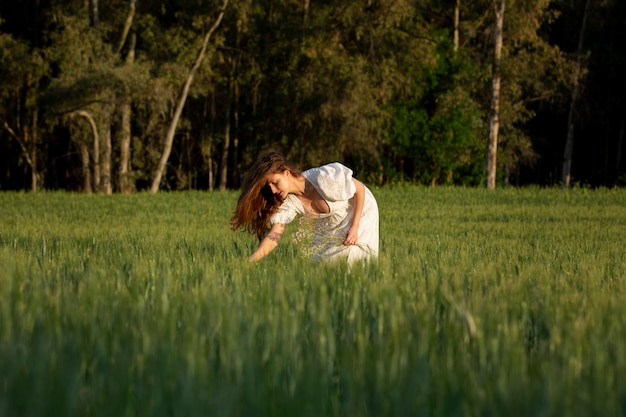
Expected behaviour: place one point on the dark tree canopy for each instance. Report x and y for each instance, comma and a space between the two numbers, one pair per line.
88, 90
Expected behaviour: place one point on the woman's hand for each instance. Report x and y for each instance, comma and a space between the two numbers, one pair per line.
353, 237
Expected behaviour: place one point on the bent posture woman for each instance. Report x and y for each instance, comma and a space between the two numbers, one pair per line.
343, 210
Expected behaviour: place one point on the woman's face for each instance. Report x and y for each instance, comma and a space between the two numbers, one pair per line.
279, 183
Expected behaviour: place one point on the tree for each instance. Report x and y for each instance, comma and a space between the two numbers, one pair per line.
124, 171
566, 172
169, 139
87, 173
21, 71
533, 71
434, 129
393, 88
85, 83
494, 107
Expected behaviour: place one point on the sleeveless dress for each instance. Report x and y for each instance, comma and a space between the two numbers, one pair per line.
328, 230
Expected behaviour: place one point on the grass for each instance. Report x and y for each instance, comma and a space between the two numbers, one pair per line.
482, 304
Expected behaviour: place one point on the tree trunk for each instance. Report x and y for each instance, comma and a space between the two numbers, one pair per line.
191, 170
169, 138
566, 173
29, 134
234, 172
25, 152
127, 25
96, 149
226, 145
96, 157
95, 14
457, 15
210, 167
106, 160
84, 156
494, 110
125, 167
212, 116
305, 12
33, 153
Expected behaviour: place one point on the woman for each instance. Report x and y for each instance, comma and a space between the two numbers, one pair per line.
342, 210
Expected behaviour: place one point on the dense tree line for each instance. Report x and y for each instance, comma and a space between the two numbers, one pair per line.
127, 95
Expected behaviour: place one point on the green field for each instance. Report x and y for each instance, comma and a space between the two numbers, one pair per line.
483, 303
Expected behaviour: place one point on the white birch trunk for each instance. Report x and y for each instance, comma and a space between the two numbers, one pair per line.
33, 153
169, 138
457, 18
126, 136
106, 186
96, 149
84, 156
494, 111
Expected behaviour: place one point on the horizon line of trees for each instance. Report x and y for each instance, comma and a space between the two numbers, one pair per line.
130, 95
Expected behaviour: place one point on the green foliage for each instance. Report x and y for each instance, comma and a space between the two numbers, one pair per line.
376, 84
18, 65
481, 304
435, 130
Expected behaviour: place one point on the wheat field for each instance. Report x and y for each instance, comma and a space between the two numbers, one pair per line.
483, 303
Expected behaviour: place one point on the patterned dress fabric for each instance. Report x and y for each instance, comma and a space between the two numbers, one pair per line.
328, 230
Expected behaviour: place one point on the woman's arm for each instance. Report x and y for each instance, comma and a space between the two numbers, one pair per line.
359, 200
269, 242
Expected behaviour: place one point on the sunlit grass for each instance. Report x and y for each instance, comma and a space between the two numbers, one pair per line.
482, 303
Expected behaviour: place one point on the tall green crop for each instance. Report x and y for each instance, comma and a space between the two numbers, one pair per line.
482, 303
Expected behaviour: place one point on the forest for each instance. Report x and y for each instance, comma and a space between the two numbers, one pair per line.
124, 96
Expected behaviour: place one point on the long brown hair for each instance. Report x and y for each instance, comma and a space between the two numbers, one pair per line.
257, 203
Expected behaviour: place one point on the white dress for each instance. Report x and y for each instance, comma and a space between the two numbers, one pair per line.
328, 231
